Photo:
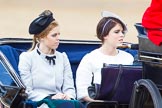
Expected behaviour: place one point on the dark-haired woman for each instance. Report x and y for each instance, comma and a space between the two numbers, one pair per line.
111, 31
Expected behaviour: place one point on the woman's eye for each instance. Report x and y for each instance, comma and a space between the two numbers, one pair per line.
120, 31
55, 34
123, 32
117, 31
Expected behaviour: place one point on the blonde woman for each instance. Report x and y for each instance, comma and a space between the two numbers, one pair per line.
46, 72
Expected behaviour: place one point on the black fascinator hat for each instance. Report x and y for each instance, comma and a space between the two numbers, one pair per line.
41, 22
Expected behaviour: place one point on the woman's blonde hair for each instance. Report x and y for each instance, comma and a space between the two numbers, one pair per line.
44, 33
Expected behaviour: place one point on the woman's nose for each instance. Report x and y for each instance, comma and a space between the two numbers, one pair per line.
58, 36
122, 34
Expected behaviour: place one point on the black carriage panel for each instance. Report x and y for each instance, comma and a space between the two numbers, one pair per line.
151, 57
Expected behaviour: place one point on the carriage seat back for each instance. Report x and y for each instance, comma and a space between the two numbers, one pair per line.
117, 82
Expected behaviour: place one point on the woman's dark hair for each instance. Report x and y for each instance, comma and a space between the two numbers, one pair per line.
105, 25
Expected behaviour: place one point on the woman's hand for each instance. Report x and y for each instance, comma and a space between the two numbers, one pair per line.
88, 99
61, 96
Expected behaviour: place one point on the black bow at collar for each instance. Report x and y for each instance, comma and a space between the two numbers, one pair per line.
51, 59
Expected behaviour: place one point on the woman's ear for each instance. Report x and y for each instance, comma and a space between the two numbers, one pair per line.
105, 37
41, 39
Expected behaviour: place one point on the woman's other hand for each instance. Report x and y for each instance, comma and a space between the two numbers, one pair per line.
61, 96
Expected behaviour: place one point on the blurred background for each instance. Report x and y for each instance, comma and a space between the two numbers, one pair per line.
77, 18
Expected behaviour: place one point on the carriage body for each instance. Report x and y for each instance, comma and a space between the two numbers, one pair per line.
75, 50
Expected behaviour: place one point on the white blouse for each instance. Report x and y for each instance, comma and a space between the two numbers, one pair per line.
92, 63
